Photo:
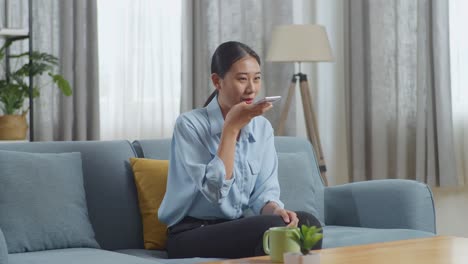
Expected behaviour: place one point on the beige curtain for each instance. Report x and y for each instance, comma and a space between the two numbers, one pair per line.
399, 98
78, 118
208, 23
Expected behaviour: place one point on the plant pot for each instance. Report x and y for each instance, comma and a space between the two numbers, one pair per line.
13, 127
298, 258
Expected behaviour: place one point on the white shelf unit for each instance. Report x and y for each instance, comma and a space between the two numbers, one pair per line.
14, 32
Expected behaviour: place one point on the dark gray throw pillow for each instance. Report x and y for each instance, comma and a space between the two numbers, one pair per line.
43, 202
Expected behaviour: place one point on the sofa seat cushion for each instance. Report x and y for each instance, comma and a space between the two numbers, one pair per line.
43, 202
144, 253
341, 236
77, 256
161, 256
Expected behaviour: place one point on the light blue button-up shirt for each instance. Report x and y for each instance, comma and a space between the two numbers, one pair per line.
196, 183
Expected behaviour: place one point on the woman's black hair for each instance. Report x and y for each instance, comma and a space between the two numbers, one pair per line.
225, 56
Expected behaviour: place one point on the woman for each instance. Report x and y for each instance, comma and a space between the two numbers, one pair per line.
223, 161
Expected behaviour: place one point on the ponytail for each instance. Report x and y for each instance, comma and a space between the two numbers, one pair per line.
210, 98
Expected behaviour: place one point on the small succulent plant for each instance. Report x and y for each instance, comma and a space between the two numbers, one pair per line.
308, 237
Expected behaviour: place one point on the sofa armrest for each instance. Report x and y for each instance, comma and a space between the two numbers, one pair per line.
402, 204
3, 249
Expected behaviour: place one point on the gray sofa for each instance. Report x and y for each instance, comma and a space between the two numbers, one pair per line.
356, 213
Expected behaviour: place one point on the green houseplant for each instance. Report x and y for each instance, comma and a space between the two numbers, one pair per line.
307, 237
14, 89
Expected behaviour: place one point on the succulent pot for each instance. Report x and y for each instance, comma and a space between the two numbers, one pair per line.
299, 258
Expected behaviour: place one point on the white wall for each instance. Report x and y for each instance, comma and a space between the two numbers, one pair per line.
451, 211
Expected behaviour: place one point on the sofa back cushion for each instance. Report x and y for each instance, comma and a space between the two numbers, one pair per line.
298, 174
153, 148
109, 185
42, 202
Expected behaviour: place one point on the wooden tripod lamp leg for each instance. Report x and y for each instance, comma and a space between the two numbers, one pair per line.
312, 128
287, 105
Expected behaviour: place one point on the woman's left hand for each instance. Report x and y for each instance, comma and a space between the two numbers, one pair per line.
289, 217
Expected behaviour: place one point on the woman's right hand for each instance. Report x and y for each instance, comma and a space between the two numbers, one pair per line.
241, 114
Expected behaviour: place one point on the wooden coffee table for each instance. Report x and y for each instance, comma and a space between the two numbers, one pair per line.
434, 250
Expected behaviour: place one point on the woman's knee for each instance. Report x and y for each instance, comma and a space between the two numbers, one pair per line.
269, 221
307, 219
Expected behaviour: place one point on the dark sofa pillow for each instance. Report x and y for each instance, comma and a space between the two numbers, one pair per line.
43, 202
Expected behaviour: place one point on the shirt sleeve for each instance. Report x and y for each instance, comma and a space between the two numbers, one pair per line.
193, 159
267, 186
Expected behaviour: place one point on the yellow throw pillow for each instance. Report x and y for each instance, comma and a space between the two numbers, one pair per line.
151, 180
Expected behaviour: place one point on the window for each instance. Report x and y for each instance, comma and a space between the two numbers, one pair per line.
458, 10
459, 57
139, 67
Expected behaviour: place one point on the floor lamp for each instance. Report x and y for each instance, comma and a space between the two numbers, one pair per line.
301, 43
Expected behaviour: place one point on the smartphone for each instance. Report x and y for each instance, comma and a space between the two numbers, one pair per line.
270, 99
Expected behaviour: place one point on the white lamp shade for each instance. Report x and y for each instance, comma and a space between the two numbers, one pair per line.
298, 43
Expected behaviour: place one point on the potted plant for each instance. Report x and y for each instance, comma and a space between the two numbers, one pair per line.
14, 89
306, 237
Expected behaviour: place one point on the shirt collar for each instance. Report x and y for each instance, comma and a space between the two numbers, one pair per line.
215, 117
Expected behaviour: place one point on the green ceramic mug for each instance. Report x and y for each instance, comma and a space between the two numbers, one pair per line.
279, 240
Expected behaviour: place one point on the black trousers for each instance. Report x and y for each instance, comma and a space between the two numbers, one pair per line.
238, 238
